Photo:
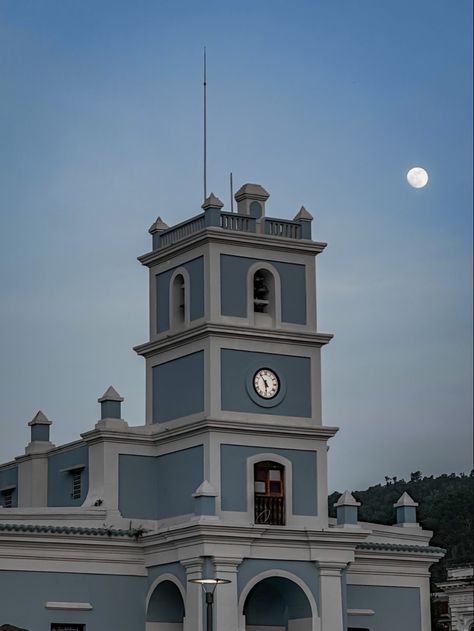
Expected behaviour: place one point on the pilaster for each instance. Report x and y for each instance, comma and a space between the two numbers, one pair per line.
331, 595
194, 595
226, 594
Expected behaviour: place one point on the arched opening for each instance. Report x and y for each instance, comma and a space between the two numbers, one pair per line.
269, 493
165, 608
277, 604
178, 294
263, 296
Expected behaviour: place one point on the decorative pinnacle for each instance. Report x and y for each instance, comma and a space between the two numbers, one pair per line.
212, 202
304, 215
347, 499
158, 226
40, 419
110, 394
405, 500
205, 489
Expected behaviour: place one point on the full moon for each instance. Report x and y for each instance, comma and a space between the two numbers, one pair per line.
417, 177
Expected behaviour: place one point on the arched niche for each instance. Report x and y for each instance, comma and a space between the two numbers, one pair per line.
165, 607
278, 603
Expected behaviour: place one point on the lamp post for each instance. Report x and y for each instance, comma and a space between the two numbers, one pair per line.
209, 587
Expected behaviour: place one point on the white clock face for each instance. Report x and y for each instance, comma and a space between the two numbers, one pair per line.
266, 383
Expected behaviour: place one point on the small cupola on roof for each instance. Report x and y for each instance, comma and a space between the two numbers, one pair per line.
251, 200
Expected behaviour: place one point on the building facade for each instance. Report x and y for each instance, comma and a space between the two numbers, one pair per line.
227, 477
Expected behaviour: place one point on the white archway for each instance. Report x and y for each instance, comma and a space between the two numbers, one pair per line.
253, 460
277, 573
170, 578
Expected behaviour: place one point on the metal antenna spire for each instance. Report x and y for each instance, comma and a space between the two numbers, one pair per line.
205, 124
231, 193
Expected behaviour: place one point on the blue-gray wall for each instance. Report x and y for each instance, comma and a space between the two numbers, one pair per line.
9, 477
162, 486
118, 601
195, 269
238, 368
178, 387
234, 271
395, 607
60, 481
234, 477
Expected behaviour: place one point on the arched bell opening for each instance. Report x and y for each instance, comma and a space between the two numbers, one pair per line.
165, 610
277, 604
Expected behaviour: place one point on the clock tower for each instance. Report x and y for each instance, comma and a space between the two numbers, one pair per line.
234, 353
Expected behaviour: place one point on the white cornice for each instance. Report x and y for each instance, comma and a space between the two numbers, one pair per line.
202, 331
220, 235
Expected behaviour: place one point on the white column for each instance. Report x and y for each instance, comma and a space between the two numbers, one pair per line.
331, 596
226, 599
193, 620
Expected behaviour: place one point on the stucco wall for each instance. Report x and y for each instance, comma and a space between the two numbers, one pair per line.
9, 477
395, 607
234, 477
118, 601
238, 368
162, 486
178, 387
234, 288
195, 269
60, 480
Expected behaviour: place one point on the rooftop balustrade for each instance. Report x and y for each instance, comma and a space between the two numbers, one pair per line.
232, 222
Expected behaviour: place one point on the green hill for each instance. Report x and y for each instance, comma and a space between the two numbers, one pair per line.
445, 507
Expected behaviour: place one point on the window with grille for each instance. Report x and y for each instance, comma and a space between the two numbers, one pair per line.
76, 484
68, 627
269, 488
6, 499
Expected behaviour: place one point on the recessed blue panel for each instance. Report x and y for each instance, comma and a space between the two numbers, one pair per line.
195, 269
9, 479
178, 387
234, 477
118, 601
395, 607
238, 368
158, 487
234, 272
60, 467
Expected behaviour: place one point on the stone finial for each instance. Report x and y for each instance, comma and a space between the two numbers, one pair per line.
212, 207
406, 510
303, 215
304, 218
158, 226
40, 433
212, 202
251, 200
40, 419
110, 394
110, 404
347, 510
205, 499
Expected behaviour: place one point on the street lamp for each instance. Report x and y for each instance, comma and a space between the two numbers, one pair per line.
209, 586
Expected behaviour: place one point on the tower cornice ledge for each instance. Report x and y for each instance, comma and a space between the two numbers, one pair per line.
173, 430
301, 338
219, 235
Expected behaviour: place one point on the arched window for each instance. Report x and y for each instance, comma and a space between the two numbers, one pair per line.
269, 490
263, 292
178, 301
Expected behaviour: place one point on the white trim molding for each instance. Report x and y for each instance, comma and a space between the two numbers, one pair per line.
360, 612
69, 606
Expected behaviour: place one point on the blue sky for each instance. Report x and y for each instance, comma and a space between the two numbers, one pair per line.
326, 103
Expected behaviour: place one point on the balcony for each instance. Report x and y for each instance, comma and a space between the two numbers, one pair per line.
270, 510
